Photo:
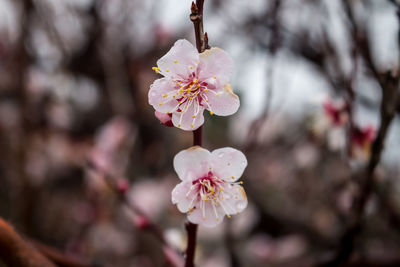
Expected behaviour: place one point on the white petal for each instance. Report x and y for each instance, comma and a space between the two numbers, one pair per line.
160, 95
181, 197
235, 200
192, 163
215, 62
177, 62
209, 218
225, 103
188, 123
228, 163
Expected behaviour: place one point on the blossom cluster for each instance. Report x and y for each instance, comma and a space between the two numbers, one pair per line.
193, 82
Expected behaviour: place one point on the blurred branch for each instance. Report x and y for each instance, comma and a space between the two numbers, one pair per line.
113, 184
387, 112
15, 252
273, 46
59, 258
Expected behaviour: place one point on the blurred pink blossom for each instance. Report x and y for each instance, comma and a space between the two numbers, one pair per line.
208, 189
149, 196
193, 82
361, 141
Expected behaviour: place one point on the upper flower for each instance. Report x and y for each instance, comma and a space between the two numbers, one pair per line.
193, 82
209, 190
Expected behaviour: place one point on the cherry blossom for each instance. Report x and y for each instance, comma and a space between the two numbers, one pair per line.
209, 189
193, 82
361, 140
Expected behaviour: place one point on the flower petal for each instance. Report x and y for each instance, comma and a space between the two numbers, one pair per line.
209, 218
160, 95
224, 103
180, 196
228, 163
235, 200
192, 163
215, 62
177, 62
164, 118
185, 120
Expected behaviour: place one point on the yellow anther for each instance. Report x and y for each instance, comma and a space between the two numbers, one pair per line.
195, 80
194, 116
217, 94
165, 95
179, 125
240, 182
207, 100
157, 70
215, 77
182, 111
191, 125
175, 61
191, 67
160, 104
167, 70
229, 164
198, 62
204, 218
233, 177
211, 113
198, 85
229, 216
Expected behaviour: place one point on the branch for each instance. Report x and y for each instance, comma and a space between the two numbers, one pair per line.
16, 252
113, 184
196, 17
387, 112
59, 258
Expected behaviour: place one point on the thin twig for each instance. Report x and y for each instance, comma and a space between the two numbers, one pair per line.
112, 183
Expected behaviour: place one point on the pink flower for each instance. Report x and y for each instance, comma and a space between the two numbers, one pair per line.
209, 190
193, 82
361, 140
336, 112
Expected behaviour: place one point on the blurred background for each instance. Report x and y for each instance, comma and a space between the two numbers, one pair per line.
74, 78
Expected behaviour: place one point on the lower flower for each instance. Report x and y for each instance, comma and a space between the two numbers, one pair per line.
209, 189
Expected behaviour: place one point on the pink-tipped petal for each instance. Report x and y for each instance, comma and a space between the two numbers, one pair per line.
164, 118
185, 120
217, 64
224, 103
181, 60
229, 163
208, 218
160, 95
192, 163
